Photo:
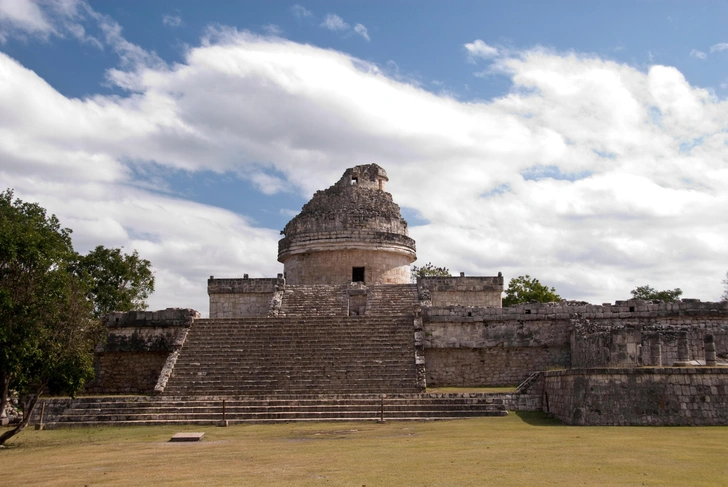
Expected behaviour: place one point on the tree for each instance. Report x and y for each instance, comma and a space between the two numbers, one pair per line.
120, 282
724, 297
48, 318
648, 293
46, 328
429, 270
525, 289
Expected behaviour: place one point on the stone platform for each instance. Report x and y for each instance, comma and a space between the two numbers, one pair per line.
146, 410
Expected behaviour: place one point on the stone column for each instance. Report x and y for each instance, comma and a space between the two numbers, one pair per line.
709, 351
682, 350
656, 352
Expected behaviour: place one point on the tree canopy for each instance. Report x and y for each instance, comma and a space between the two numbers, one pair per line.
525, 289
649, 293
430, 270
724, 297
48, 318
119, 282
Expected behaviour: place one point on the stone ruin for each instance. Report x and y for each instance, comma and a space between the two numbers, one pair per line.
344, 323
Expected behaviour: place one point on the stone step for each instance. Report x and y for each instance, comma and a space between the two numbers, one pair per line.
181, 410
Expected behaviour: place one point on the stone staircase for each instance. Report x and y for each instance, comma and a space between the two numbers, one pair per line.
296, 355
145, 410
387, 299
314, 300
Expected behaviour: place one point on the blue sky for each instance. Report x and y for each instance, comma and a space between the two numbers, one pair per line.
580, 142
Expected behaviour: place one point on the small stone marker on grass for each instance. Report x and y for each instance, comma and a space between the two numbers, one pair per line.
187, 437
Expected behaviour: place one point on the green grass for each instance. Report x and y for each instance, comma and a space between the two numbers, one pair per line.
518, 450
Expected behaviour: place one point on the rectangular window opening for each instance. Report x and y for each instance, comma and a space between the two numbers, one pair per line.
357, 274
354, 180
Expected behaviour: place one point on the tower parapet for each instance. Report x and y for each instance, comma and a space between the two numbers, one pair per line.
352, 231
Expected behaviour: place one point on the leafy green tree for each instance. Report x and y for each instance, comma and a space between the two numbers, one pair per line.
648, 293
50, 302
525, 289
120, 282
47, 330
429, 270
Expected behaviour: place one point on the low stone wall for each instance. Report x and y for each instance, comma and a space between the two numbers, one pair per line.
136, 348
462, 291
696, 396
495, 366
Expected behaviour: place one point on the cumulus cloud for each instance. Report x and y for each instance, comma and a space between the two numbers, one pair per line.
591, 175
335, 23
722, 46
698, 54
480, 50
362, 31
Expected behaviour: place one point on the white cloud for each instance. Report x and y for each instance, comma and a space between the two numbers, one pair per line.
172, 20
480, 50
698, 54
362, 31
334, 22
301, 12
26, 16
593, 176
42, 19
722, 46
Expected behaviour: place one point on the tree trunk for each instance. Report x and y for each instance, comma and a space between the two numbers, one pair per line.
5, 390
28, 406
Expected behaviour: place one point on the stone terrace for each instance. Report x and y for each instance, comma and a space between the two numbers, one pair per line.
297, 355
145, 410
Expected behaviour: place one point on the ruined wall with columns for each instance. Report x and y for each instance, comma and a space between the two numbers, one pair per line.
488, 346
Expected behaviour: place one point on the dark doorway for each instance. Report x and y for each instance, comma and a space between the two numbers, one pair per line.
357, 274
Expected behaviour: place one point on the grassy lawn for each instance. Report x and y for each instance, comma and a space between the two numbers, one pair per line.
518, 450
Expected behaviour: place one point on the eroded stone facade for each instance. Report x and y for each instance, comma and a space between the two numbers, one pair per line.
352, 231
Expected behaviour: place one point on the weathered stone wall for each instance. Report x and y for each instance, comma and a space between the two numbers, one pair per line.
476, 346
638, 396
241, 298
494, 366
126, 372
499, 346
335, 267
239, 305
462, 291
625, 334
136, 348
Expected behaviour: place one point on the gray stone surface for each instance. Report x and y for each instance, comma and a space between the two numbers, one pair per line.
186, 437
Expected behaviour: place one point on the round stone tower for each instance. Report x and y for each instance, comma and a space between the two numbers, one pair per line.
350, 232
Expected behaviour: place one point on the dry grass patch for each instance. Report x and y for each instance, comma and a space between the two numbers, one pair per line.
523, 449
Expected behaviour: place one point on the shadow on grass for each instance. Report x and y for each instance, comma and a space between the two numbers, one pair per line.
537, 418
